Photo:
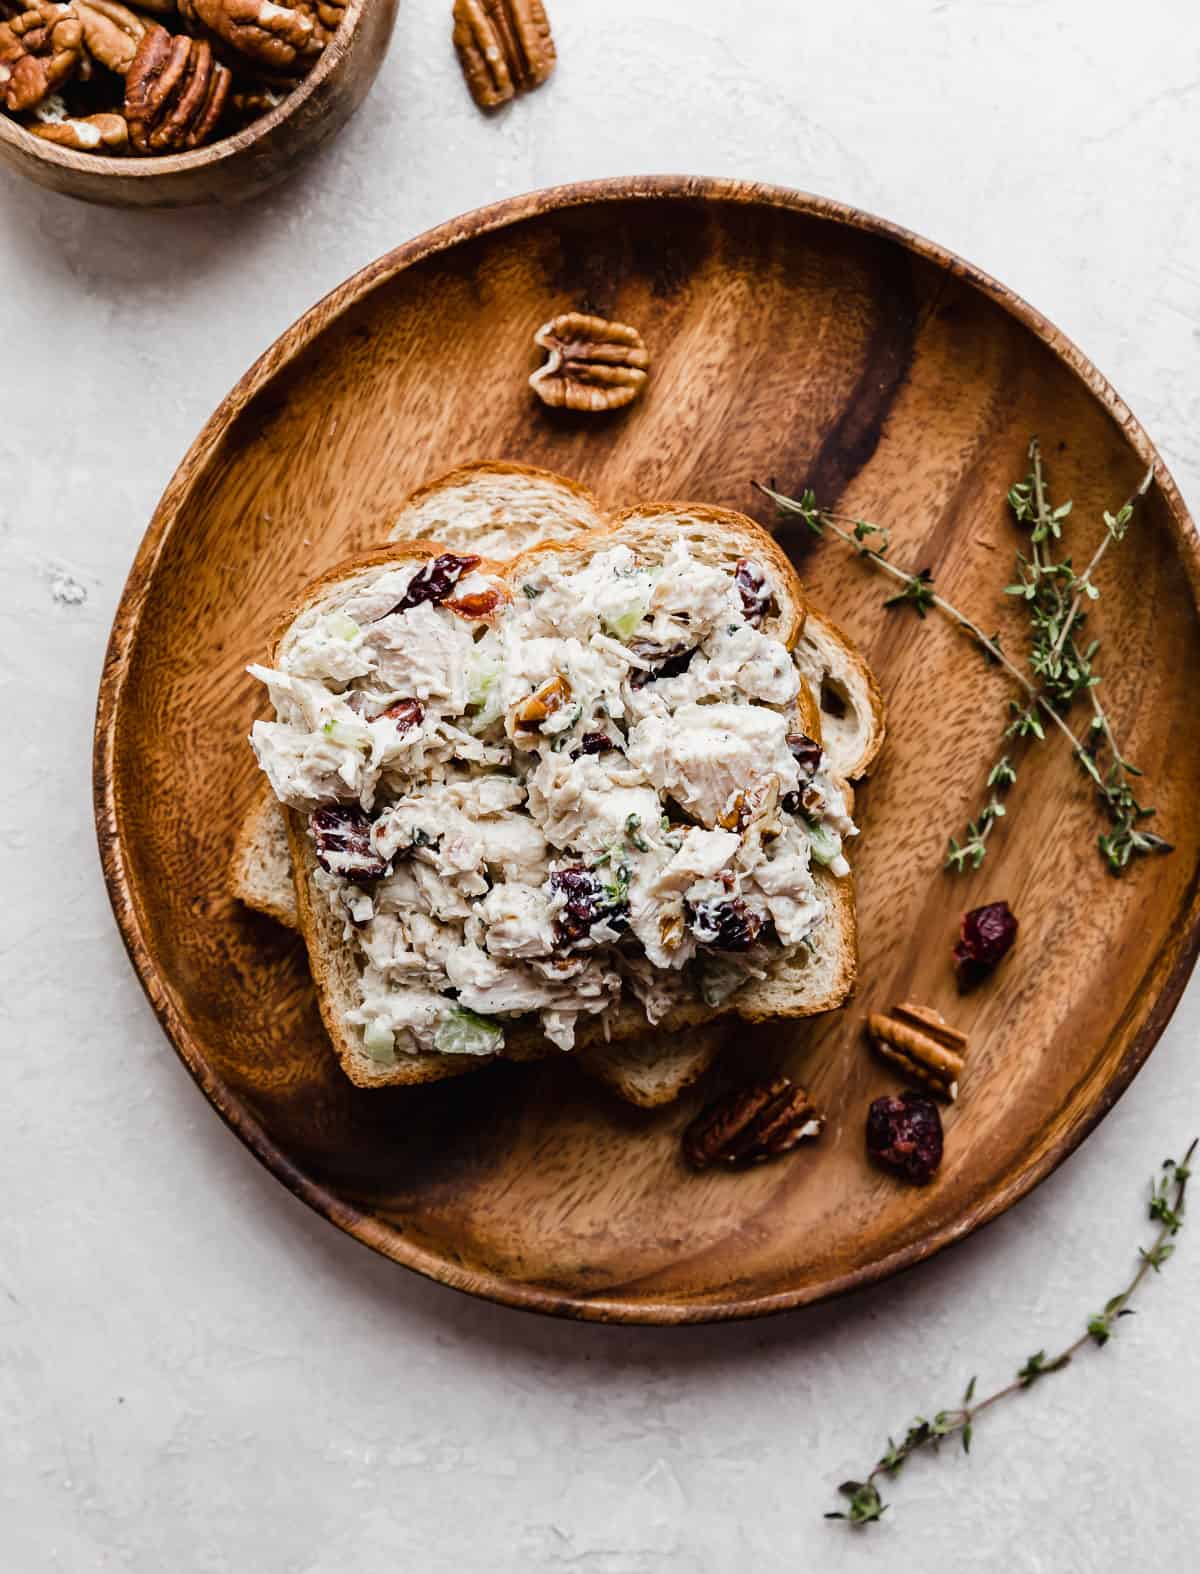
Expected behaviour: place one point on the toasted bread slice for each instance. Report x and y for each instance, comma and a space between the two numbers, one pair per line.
260, 875
851, 709
498, 510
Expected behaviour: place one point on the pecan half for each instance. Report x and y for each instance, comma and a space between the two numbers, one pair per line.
277, 37
104, 133
922, 1044
504, 47
751, 1124
592, 364
174, 92
40, 48
111, 32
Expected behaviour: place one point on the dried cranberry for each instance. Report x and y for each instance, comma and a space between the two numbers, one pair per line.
405, 713
757, 597
806, 752
436, 580
670, 662
343, 838
904, 1135
726, 926
987, 938
588, 901
593, 743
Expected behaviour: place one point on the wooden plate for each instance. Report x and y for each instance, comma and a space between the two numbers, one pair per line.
792, 338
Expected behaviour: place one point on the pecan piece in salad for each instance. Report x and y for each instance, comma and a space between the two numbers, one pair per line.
539, 706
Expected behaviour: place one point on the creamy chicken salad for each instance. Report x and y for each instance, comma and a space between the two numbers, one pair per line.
549, 796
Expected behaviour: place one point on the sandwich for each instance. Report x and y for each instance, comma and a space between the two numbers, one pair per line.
542, 781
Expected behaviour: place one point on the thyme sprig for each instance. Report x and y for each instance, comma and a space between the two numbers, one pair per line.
1062, 666
864, 1503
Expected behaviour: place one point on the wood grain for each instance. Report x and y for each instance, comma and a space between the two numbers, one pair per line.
236, 167
791, 338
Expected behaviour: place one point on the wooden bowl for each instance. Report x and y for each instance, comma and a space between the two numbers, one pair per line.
238, 166
793, 338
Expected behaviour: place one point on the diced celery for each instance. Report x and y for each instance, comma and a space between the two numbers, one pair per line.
340, 625
826, 844
465, 1032
380, 1043
622, 614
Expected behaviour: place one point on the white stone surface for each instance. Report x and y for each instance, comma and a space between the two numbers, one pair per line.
197, 1374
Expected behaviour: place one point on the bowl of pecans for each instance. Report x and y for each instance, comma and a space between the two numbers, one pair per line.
166, 103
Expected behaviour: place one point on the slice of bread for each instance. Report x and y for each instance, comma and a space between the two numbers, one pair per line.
848, 698
498, 510
260, 875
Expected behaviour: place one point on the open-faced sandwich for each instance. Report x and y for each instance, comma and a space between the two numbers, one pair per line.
543, 781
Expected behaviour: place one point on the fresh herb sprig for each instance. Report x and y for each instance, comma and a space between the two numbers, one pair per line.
1061, 664
864, 1504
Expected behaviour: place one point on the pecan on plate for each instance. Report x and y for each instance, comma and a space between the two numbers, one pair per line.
103, 133
276, 37
592, 364
40, 48
174, 93
111, 32
922, 1044
504, 47
751, 1124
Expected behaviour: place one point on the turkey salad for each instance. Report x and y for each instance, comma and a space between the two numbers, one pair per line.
551, 796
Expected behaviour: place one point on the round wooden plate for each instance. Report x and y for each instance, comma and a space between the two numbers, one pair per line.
792, 338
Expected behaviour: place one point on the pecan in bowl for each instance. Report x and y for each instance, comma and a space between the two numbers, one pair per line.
40, 49
174, 93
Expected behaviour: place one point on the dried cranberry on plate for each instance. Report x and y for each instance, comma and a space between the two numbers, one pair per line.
588, 901
436, 580
904, 1135
757, 597
986, 937
342, 834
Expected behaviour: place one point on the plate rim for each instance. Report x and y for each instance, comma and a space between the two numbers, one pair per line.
1174, 962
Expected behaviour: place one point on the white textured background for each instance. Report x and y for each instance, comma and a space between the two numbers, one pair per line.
196, 1374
